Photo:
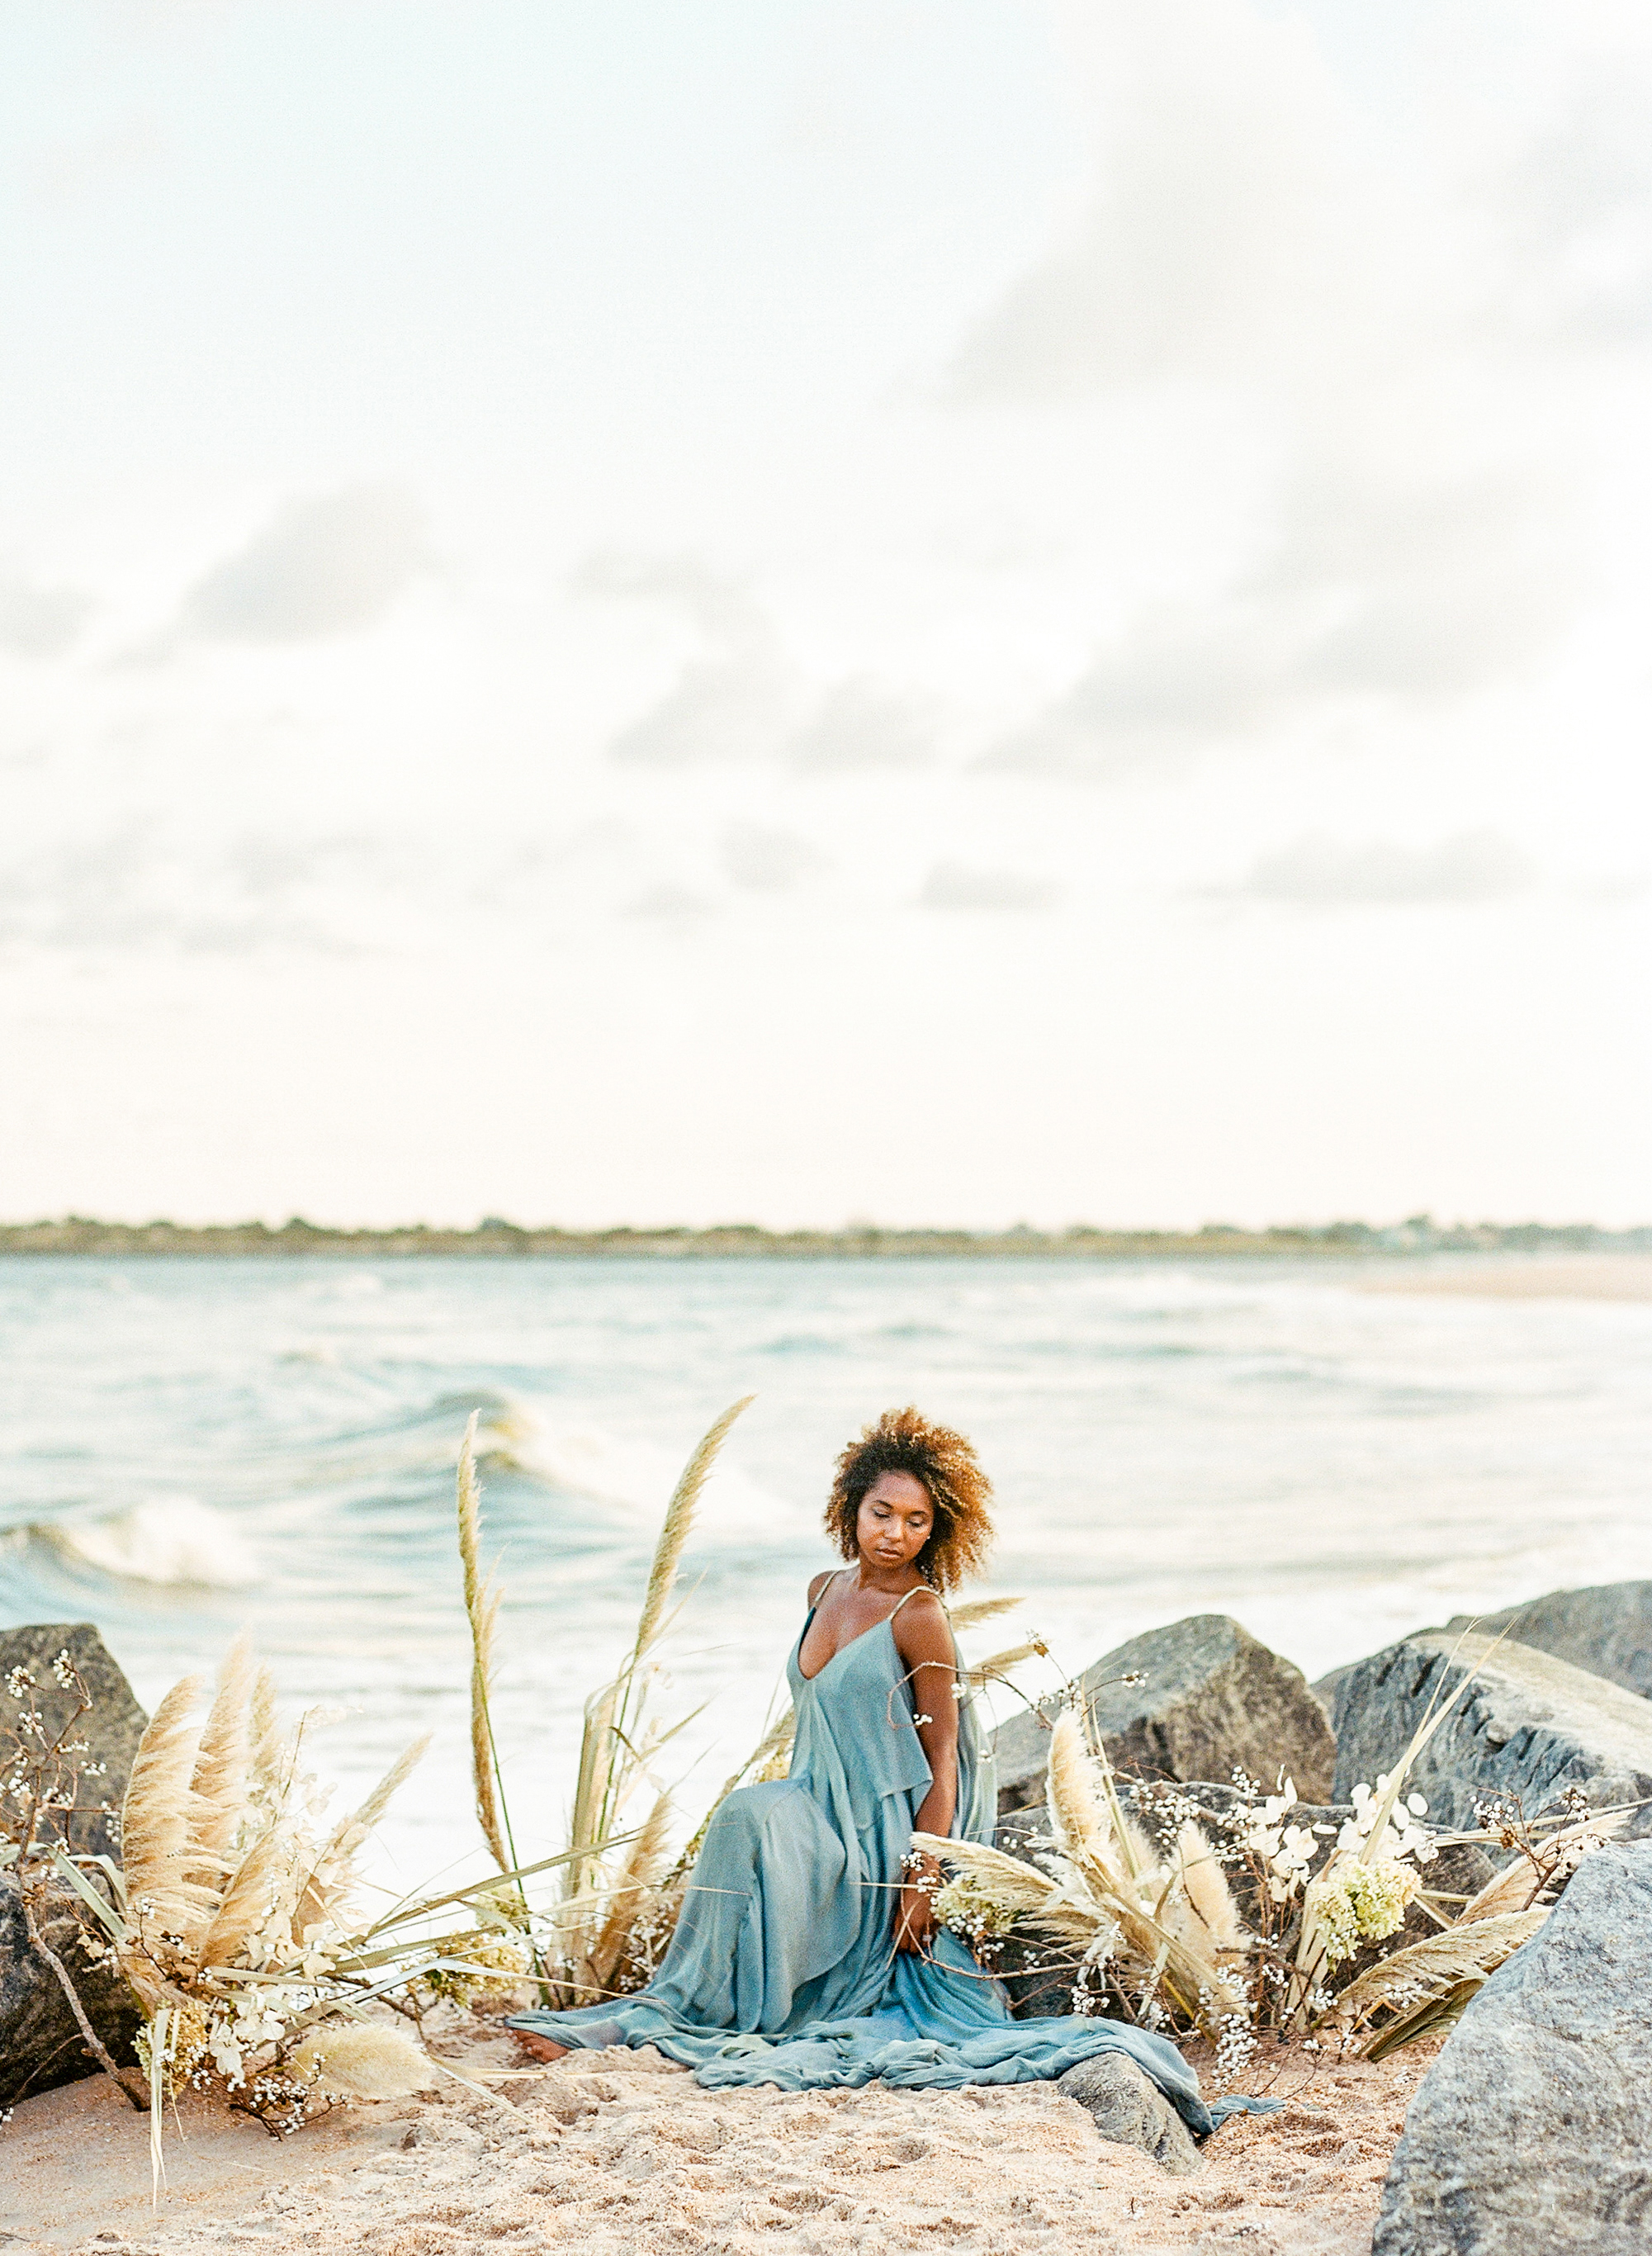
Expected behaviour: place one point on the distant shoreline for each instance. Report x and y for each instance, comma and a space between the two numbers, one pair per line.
502, 1240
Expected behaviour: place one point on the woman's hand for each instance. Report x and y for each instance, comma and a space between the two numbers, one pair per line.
915, 1912
915, 1921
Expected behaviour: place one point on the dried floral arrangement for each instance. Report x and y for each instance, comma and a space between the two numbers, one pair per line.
1135, 1896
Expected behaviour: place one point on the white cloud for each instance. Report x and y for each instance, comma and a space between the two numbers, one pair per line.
862, 724
1574, 206
1213, 216
672, 905
39, 621
766, 861
323, 566
143, 885
1187, 679
1317, 872
718, 709
959, 886
1411, 592
736, 699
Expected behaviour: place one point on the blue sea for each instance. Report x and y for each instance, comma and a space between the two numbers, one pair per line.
188, 1447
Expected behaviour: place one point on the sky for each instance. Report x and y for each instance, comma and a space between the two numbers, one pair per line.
932, 611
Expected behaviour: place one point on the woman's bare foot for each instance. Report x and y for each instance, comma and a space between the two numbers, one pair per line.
539, 2047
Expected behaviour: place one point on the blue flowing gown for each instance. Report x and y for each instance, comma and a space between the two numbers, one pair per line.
783, 1969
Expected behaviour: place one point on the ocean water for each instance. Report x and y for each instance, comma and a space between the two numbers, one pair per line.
190, 1446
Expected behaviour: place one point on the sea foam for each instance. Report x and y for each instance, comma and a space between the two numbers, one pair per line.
168, 1540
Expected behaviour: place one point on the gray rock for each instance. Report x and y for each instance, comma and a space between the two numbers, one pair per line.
1129, 2109
1213, 1697
1528, 2136
111, 1729
40, 2043
1607, 1629
1530, 1725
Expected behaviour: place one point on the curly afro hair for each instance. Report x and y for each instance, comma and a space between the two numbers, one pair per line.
905, 1441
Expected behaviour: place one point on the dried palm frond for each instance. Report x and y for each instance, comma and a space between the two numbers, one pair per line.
976, 1610
1516, 1888
219, 1779
361, 2061
1021, 1891
1437, 1964
1430, 2019
481, 1609
157, 1822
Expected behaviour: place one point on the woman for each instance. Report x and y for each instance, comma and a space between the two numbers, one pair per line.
806, 1952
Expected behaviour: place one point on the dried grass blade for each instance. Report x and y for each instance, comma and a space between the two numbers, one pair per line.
495, 1884
1433, 1716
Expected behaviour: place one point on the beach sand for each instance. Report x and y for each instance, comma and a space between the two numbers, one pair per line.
1517, 1277
623, 2154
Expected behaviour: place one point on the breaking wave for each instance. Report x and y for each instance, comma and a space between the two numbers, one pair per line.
168, 1540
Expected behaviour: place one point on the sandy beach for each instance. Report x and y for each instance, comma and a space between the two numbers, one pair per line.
1503, 1277
623, 2154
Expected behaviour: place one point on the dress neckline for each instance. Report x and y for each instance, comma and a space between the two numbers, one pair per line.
887, 1623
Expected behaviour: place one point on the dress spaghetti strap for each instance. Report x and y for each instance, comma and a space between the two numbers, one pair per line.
899, 1603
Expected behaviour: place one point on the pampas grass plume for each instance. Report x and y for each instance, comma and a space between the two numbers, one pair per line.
219, 1781
156, 1818
976, 1610
360, 2060
638, 1879
266, 1741
1208, 1894
482, 1605
679, 1515
1075, 1805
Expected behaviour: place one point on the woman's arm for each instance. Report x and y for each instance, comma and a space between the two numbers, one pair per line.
923, 1639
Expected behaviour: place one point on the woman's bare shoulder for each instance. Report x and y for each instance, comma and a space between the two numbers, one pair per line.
921, 1619
817, 1588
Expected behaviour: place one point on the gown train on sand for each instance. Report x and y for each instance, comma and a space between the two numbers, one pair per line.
783, 1968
